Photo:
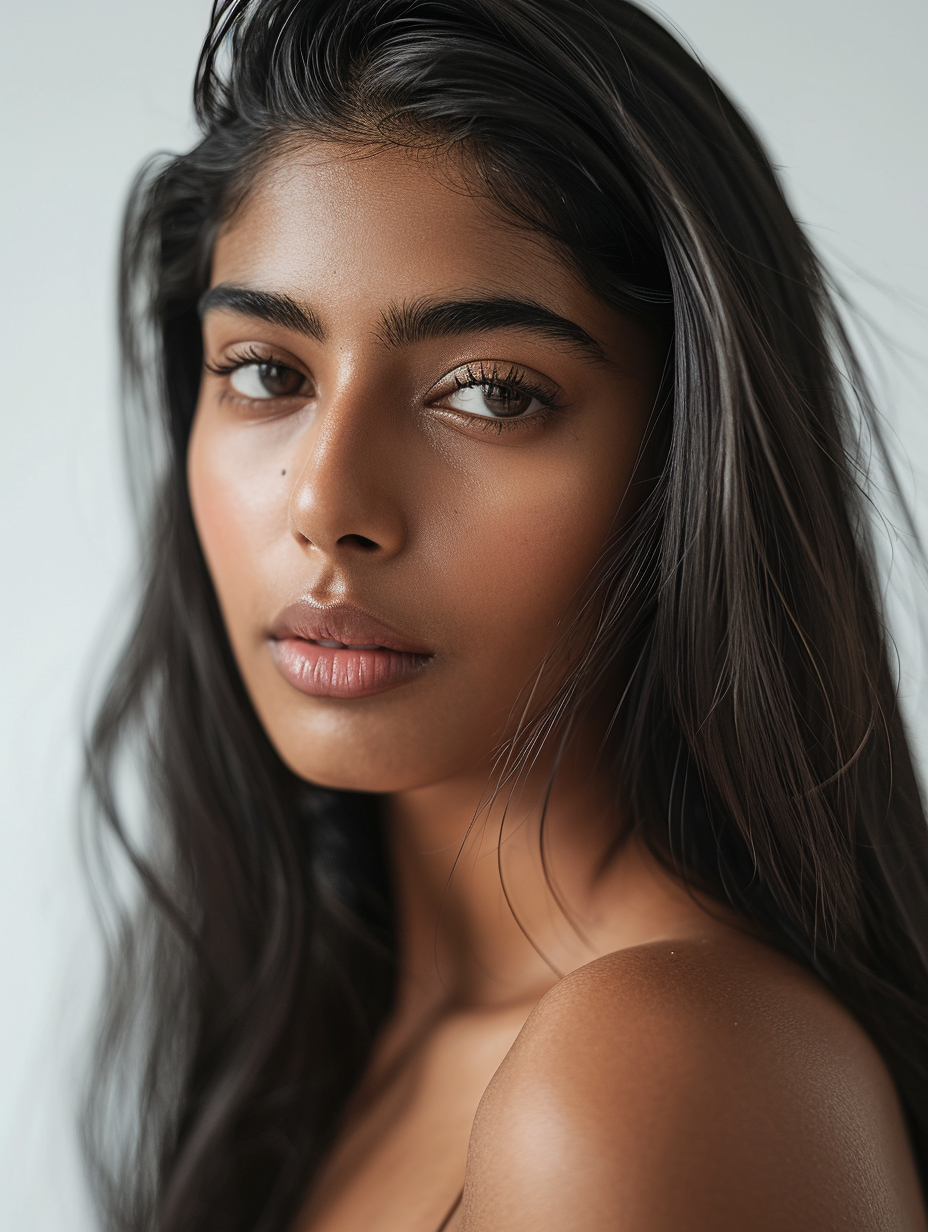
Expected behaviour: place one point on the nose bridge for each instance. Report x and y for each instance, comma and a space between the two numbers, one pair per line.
345, 495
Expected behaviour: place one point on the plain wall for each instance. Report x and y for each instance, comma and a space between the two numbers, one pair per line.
837, 88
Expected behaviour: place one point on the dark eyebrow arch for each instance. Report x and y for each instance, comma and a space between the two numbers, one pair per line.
424, 319
408, 323
270, 306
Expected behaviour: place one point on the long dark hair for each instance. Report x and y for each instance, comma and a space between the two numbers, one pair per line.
756, 742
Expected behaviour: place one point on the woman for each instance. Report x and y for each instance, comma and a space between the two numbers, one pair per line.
532, 807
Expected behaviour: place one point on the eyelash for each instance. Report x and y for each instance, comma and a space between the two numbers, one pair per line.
470, 375
249, 355
514, 379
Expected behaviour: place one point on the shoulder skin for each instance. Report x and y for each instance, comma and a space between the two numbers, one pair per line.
700, 1086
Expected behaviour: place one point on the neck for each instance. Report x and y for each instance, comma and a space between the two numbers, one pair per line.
495, 906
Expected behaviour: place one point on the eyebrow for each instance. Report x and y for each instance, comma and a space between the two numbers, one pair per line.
425, 319
271, 306
411, 322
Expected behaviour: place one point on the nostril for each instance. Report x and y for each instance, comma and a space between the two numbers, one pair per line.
360, 541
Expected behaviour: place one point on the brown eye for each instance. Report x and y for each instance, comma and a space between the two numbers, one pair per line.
266, 380
492, 401
504, 400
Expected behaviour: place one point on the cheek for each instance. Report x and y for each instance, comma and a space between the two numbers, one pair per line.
239, 509
535, 531
520, 563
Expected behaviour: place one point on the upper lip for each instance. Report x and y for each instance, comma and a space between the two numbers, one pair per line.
339, 622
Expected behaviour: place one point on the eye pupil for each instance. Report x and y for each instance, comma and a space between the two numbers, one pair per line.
279, 380
503, 400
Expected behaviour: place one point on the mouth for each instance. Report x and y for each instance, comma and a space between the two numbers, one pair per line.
341, 651
330, 645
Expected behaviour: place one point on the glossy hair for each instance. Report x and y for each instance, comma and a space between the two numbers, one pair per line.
756, 745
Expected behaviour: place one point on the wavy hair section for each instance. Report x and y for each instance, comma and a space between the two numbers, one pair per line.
756, 742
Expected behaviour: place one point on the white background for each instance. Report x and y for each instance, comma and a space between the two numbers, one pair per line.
838, 89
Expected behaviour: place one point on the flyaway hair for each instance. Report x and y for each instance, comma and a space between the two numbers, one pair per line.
757, 744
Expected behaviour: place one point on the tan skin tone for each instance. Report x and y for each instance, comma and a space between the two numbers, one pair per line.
674, 1072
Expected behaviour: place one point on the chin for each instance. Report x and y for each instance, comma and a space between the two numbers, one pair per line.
371, 746
353, 767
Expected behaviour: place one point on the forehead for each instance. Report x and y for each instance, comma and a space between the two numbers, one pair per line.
376, 226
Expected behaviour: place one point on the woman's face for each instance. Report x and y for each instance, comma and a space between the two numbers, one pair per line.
415, 432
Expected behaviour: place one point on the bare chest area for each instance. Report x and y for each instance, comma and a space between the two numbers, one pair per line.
398, 1163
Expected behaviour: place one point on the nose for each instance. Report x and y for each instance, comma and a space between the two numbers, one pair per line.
346, 498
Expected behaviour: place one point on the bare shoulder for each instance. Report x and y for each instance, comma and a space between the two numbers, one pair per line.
699, 1085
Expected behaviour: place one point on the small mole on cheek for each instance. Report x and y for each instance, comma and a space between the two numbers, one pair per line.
283, 472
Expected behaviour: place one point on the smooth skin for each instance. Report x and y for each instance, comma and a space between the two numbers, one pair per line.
629, 1060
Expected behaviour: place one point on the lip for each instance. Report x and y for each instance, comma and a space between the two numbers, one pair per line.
371, 656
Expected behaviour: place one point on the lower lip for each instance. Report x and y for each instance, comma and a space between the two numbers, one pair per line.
327, 671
